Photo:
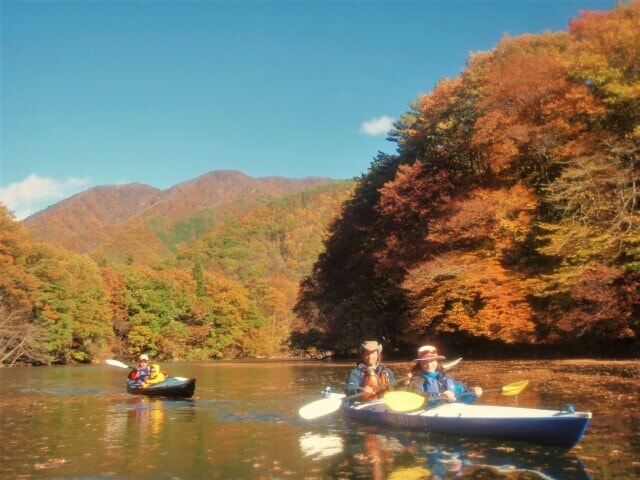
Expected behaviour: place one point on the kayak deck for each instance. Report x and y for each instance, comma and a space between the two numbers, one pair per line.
171, 387
558, 428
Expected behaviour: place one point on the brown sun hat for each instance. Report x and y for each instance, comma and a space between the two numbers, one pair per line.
371, 346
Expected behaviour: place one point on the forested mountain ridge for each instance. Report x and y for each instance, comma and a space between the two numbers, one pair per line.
76, 222
134, 221
509, 220
227, 295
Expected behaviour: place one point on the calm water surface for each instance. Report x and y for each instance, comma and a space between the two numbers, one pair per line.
78, 423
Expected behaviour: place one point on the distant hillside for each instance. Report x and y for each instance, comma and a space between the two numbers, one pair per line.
140, 222
207, 273
75, 223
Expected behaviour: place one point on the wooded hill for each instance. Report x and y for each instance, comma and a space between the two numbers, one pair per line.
507, 222
206, 269
137, 222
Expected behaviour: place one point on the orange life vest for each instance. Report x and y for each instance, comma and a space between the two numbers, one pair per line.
375, 381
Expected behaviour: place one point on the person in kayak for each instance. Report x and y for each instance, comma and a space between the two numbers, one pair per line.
370, 375
429, 376
156, 376
142, 371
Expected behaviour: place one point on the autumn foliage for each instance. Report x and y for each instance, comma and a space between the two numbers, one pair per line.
227, 295
509, 216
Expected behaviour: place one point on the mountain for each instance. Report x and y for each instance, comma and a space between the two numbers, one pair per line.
122, 222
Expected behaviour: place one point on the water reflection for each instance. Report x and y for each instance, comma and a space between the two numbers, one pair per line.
147, 416
318, 446
398, 456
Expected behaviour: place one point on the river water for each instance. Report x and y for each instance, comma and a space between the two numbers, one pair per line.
77, 422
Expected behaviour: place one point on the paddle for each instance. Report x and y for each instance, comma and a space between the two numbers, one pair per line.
328, 405
407, 401
325, 406
116, 363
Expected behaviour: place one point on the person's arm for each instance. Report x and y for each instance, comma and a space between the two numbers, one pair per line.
452, 389
462, 393
459, 388
470, 395
416, 383
353, 383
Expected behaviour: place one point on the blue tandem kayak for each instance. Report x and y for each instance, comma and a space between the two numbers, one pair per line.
176, 387
557, 428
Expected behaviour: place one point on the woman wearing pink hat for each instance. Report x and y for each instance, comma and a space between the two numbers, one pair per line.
428, 376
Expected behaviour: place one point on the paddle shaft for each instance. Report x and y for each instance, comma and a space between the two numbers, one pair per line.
492, 390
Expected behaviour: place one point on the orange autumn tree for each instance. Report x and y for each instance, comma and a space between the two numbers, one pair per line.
511, 183
466, 285
596, 195
533, 115
604, 55
18, 287
22, 339
536, 125
462, 296
595, 199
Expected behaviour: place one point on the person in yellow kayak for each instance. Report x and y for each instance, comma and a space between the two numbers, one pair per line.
429, 376
370, 375
156, 376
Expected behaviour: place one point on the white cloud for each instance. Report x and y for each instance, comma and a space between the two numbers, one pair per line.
377, 126
35, 193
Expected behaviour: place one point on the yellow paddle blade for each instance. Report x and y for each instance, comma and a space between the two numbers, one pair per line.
403, 401
410, 473
514, 388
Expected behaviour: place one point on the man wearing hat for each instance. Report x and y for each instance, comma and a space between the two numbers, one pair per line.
142, 371
370, 375
429, 376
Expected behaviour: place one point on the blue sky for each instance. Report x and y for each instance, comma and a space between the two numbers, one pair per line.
160, 92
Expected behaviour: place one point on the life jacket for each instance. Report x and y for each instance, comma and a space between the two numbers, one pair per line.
435, 386
376, 378
140, 374
157, 377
